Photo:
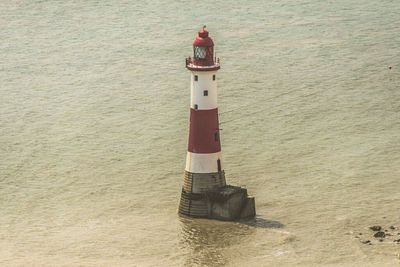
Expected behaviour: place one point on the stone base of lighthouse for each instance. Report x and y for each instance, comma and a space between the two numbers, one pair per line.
206, 195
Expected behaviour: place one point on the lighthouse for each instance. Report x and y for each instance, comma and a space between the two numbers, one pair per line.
205, 193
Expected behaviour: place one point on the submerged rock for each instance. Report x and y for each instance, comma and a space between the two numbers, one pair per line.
376, 228
379, 234
392, 227
366, 242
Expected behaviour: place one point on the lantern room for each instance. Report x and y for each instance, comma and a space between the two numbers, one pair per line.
203, 53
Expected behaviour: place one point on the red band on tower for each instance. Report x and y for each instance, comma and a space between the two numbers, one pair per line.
204, 131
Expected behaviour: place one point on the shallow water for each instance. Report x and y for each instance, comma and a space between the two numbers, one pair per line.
93, 131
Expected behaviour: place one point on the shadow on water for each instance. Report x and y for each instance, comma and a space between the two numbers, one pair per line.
259, 222
214, 243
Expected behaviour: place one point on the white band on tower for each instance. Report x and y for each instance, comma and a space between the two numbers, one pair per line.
203, 90
203, 163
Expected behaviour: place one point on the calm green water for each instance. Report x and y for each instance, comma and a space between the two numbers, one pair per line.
94, 105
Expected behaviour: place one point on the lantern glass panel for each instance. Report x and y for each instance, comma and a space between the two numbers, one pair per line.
200, 52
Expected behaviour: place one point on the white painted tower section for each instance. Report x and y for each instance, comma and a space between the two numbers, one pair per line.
202, 163
204, 82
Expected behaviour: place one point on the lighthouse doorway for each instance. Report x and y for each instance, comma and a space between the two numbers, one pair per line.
219, 165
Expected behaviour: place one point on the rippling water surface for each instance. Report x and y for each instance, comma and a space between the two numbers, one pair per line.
93, 131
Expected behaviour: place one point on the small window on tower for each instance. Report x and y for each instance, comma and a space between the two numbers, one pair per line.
205, 92
216, 136
196, 78
214, 77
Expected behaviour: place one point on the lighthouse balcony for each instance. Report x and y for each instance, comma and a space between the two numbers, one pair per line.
202, 64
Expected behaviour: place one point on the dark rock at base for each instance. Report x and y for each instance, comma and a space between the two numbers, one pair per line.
397, 240
379, 234
392, 227
366, 242
225, 203
380, 239
376, 228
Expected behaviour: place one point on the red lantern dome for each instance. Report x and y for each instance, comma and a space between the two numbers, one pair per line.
202, 39
203, 53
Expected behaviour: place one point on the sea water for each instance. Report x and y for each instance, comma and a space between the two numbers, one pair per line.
94, 108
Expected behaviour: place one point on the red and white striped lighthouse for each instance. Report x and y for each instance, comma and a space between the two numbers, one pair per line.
203, 171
